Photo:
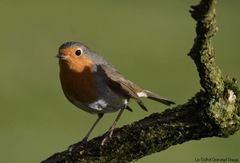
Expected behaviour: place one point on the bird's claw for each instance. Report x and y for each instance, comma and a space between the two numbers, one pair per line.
107, 136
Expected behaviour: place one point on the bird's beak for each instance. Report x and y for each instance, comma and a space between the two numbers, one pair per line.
60, 56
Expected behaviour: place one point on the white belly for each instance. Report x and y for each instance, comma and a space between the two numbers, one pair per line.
107, 102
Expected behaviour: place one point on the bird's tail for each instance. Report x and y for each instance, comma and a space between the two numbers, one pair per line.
153, 96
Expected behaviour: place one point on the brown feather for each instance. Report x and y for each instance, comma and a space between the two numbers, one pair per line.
119, 84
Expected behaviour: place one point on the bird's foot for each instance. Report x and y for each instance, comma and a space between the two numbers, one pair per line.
77, 145
107, 136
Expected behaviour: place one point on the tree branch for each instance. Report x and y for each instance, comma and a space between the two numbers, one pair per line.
214, 111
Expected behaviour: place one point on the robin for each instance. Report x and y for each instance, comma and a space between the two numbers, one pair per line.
92, 84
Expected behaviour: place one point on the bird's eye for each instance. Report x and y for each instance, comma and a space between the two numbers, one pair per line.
78, 52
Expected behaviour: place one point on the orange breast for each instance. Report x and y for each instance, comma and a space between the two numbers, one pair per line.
77, 80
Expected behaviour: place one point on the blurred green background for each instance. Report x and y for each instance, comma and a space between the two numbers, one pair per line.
147, 41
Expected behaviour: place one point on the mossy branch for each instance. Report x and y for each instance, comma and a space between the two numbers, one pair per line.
214, 111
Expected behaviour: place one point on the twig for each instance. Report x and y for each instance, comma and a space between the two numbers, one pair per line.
214, 111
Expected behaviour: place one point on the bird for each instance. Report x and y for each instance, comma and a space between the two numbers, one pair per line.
94, 85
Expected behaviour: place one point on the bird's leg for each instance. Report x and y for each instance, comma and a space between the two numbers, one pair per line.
84, 140
100, 115
110, 131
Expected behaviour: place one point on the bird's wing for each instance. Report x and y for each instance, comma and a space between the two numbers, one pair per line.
119, 84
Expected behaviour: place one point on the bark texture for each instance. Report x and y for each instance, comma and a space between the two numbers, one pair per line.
213, 111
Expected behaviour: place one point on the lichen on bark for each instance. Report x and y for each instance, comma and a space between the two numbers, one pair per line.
213, 111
